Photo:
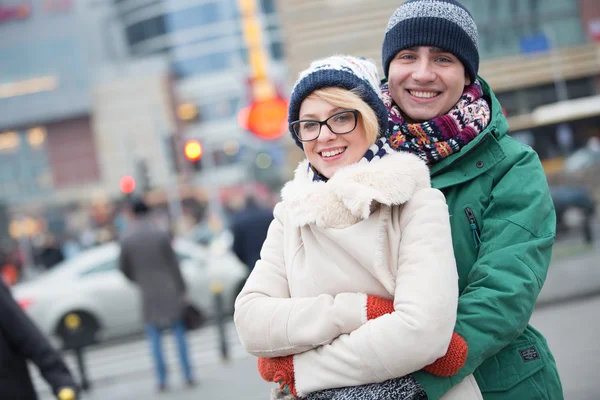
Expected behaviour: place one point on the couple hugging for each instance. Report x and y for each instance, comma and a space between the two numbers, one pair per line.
408, 251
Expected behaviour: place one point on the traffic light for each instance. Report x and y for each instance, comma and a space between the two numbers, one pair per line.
127, 184
193, 153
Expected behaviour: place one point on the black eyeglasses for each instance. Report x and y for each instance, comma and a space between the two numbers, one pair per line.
339, 123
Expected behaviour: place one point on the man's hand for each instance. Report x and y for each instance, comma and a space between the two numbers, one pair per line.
447, 365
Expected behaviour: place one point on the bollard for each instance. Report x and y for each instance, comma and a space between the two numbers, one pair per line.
217, 288
85, 383
76, 341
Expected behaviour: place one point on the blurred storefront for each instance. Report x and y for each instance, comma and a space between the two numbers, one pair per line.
47, 149
204, 45
541, 57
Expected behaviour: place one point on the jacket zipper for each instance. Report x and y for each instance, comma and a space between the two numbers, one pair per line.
474, 227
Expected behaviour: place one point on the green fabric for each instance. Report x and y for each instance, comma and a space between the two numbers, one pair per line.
502, 265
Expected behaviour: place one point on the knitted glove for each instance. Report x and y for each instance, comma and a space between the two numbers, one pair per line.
447, 365
454, 359
279, 370
377, 306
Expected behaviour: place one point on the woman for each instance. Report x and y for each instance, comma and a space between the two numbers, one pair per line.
357, 218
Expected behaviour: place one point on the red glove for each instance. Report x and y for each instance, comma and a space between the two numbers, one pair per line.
447, 365
279, 370
454, 359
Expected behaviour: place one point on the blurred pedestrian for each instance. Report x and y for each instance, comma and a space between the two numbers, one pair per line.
148, 259
357, 282
249, 227
503, 220
21, 341
50, 252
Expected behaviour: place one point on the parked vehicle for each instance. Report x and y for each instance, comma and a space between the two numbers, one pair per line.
575, 209
90, 290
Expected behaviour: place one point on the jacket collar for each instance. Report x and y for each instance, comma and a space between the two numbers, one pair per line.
350, 195
479, 155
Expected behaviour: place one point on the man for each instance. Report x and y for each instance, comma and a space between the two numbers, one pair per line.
249, 229
148, 259
20, 341
503, 220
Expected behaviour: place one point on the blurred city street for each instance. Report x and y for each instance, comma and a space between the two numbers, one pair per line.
566, 315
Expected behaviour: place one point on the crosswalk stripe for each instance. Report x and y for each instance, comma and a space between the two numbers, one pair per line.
135, 357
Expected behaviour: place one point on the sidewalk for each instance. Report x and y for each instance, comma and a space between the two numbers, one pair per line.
574, 273
237, 380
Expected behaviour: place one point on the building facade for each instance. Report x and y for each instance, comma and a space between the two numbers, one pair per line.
47, 146
541, 58
204, 43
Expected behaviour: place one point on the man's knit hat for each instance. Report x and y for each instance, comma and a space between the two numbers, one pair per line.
446, 24
341, 71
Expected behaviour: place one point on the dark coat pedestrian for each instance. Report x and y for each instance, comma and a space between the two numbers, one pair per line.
148, 259
249, 228
20, 341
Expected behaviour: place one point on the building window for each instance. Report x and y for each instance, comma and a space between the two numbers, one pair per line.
209, 63
503, 25
277, 51
192, 17
222, 109
146, 29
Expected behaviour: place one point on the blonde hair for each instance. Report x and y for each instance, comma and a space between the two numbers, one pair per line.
350, 99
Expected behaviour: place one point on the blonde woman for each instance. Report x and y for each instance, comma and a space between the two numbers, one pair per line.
357, 281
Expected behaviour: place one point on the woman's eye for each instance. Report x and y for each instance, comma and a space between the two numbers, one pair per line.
309, 125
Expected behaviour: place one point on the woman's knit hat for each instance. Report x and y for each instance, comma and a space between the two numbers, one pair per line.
345, 72
446, 24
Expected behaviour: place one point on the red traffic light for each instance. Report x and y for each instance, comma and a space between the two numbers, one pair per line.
267, 119
193, 150
127, 184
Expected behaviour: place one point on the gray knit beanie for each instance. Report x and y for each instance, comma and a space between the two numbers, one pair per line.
446, 24
341, 71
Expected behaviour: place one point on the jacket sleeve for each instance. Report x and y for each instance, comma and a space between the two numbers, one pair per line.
173, 262
425, 301
124, 264
517, 235
31, 344
271, 324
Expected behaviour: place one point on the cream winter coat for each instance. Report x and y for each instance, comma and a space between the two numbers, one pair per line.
374, 228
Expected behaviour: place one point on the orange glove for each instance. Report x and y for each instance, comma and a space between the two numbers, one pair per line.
447, 365
454, 359
377, 306
279, 370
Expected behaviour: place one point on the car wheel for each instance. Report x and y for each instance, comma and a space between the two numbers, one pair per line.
77, 329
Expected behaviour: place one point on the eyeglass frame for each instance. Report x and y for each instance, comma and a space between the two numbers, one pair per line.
324, 122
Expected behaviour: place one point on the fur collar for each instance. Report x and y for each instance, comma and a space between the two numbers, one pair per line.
352, 193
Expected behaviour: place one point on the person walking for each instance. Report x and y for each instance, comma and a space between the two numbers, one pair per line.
147, 259
21, 341
249, 228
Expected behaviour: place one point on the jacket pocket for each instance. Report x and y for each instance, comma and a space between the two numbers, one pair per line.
511, 366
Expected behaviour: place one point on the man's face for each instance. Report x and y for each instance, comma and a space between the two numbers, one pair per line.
426, 82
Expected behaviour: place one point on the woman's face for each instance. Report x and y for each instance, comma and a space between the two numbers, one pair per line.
329, 152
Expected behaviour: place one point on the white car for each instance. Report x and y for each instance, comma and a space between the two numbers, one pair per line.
90, 290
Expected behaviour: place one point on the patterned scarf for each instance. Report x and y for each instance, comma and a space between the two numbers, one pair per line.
375, 152
441, 136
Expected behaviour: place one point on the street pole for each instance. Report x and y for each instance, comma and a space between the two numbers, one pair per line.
172, 188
